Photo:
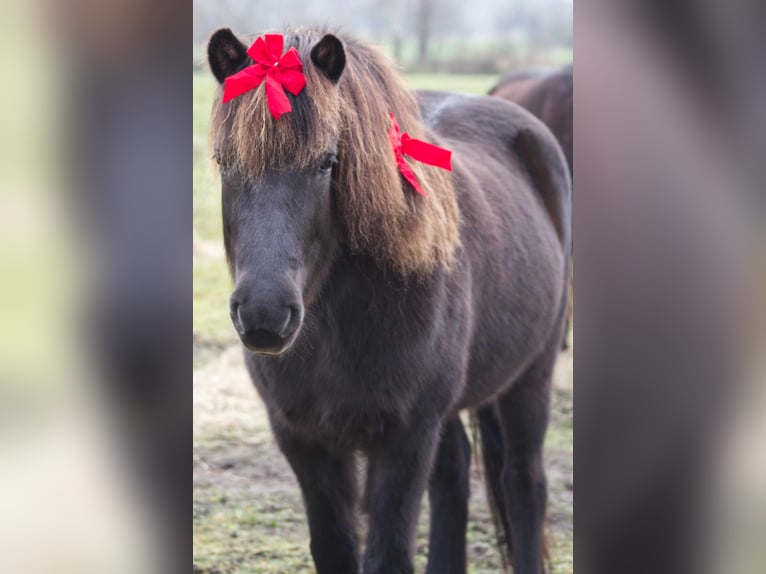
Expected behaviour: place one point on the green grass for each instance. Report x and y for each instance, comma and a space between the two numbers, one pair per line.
258, 534
498, 54
212, 287
207, 209
468, 83
211, 278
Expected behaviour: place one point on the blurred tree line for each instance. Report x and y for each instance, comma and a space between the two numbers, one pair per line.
426, 35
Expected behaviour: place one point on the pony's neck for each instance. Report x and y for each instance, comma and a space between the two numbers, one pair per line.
358, 281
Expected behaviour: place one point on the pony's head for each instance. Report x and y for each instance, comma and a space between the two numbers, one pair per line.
320, 181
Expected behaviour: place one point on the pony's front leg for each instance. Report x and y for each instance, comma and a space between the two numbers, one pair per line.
400, 472
328, 482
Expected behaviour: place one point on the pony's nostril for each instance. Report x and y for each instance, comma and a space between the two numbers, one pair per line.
293, 313
236, 318
283, 332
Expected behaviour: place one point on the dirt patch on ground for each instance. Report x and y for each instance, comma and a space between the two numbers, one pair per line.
248, 514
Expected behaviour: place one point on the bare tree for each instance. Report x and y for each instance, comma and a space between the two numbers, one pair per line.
424, 24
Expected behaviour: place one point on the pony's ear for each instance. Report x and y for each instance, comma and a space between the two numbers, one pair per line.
330, 57
226, 54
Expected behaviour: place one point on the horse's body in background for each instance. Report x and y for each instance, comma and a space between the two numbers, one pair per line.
372, 315
549, 95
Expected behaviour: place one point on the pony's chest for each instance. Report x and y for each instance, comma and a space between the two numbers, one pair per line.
328, 396
342, 423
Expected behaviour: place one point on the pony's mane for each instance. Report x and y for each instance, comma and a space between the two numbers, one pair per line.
380, 214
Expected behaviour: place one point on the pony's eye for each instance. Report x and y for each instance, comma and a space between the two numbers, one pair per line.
327, 163
222, 160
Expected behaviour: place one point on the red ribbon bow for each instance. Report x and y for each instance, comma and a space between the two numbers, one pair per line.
281, 72
424, 152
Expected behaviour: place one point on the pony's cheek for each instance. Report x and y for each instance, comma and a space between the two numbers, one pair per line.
317, 262
314, 254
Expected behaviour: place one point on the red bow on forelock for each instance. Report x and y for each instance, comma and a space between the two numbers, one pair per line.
281, 72
419, 150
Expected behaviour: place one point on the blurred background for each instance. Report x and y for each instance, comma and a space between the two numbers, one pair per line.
99, 197
485, 36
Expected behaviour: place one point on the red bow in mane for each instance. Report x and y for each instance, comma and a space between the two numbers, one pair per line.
424, 152
281, 72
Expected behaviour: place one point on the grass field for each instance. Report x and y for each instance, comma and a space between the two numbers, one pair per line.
248, 515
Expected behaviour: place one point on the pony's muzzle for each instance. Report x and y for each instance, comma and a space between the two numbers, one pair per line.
265, 328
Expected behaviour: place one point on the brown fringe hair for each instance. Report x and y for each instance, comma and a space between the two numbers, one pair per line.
381, 215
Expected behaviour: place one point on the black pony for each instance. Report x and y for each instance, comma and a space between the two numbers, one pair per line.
373, 315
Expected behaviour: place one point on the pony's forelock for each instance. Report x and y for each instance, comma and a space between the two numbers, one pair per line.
244, 133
